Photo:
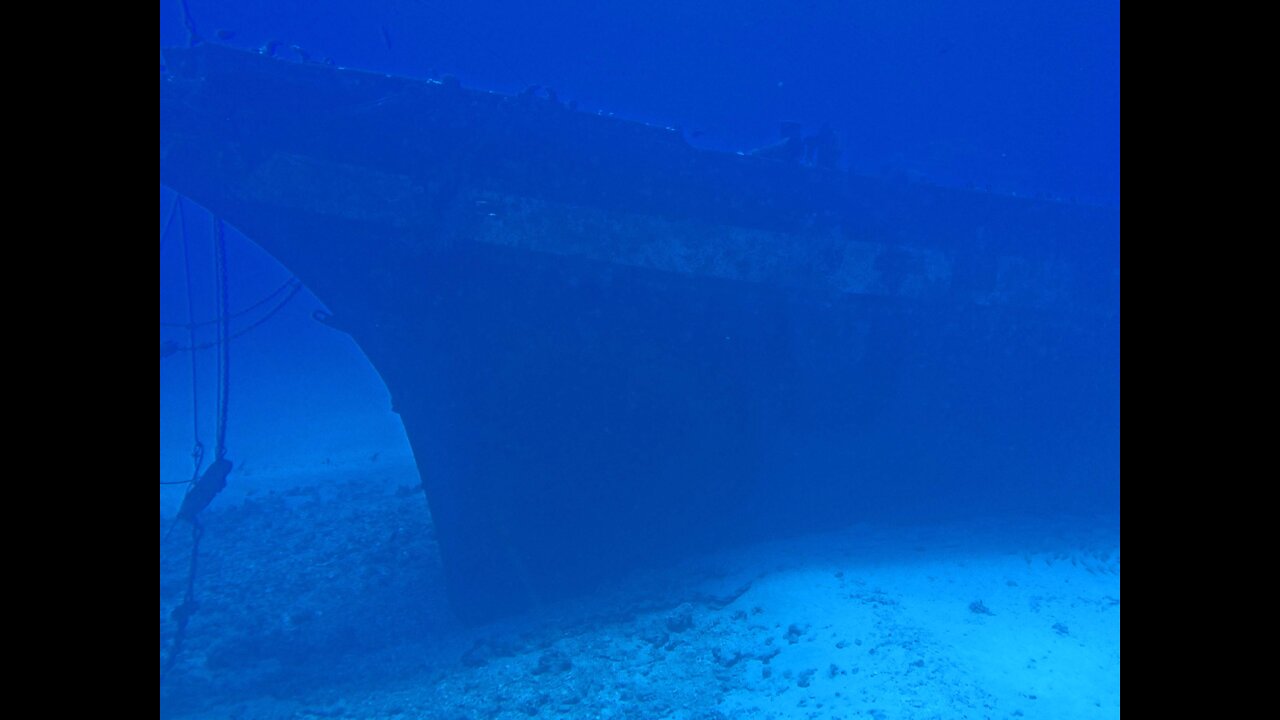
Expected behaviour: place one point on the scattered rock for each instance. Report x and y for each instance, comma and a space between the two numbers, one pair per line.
552, 661
655, 636
978, 608
681, 619
727, 658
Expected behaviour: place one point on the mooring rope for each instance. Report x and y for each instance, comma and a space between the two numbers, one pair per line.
197, 450
182, 614
202, 489
168, 349
224, 344
193, 38
288, 285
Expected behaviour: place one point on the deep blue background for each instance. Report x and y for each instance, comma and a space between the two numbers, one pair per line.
1019, 97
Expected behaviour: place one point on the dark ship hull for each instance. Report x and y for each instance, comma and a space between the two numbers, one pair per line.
608, 347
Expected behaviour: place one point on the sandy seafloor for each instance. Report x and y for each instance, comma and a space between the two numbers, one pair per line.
324, 600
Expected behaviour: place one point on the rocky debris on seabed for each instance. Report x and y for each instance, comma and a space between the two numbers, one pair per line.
328, 603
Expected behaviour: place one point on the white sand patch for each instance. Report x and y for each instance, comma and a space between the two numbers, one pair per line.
937, 623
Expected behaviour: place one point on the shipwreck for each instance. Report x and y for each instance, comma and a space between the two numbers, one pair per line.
609, 347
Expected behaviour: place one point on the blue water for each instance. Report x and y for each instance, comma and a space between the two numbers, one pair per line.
689, 475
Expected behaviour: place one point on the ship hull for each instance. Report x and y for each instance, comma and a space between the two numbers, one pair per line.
611, 349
